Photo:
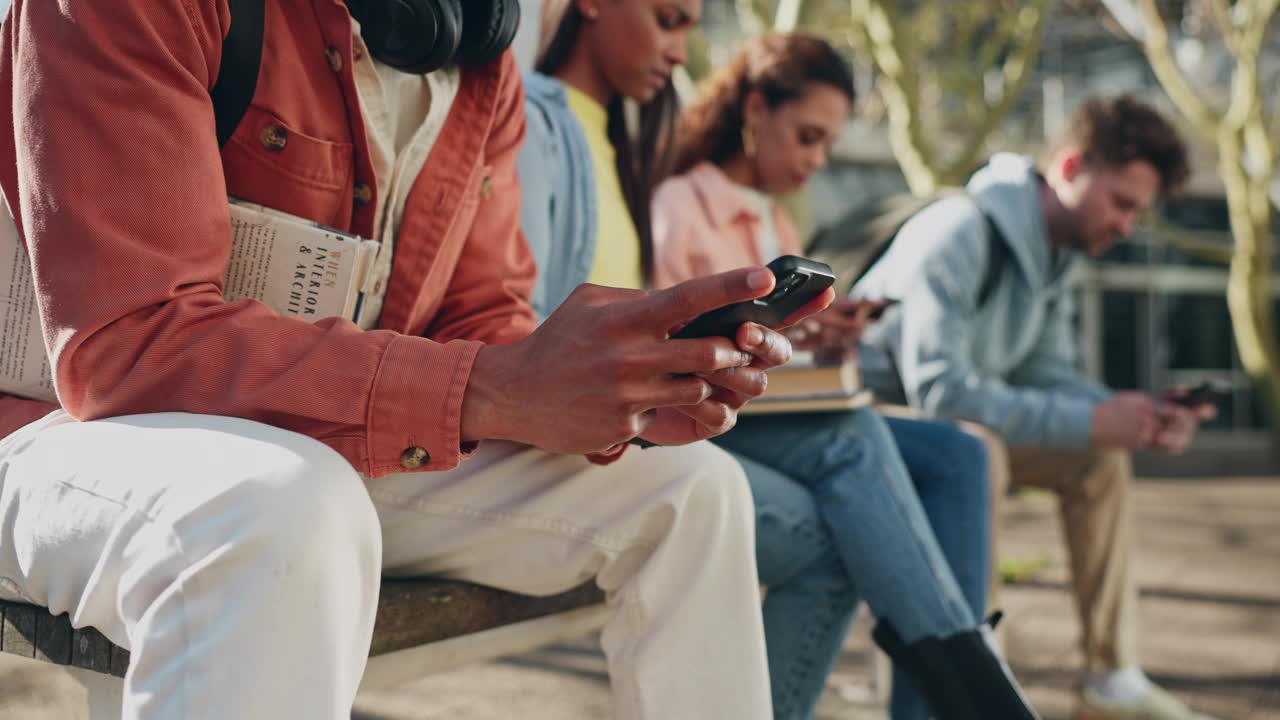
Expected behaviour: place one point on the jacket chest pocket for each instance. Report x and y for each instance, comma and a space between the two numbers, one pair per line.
271, 162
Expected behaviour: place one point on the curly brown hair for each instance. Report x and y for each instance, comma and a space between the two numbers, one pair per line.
781, 66
1116, 131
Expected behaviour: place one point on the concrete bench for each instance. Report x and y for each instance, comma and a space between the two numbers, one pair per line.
423, 626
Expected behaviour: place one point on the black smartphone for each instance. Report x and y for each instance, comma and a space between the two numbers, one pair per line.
1206, 393
798, 281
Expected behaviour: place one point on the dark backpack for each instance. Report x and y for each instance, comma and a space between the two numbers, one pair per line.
238, 72
854, 244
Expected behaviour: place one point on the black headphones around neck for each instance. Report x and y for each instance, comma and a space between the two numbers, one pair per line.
419, 36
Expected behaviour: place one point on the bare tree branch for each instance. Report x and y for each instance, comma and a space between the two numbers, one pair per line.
1016, 70
1000, 38
749, 21
951, 39
1127, 17
900, 89
1245, 86
964, 28
1267, 9
1155, 39
1221, 12
787, 15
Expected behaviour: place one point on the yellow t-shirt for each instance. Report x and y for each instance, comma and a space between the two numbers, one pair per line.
617, 258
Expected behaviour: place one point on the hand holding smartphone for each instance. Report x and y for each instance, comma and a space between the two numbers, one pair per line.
797, 282
1206, 393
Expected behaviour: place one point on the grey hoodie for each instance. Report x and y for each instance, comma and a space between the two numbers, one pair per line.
1010, 364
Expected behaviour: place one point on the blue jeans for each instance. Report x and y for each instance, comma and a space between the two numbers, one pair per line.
844, 522
949, 470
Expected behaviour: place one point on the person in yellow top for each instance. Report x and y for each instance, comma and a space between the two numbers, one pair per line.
617, 258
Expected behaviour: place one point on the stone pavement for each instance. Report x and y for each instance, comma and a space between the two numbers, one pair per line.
1209, 565
1209, 569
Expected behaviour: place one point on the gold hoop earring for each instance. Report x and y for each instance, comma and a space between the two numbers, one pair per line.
748, 142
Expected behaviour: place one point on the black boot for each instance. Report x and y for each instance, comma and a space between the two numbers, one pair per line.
961, 676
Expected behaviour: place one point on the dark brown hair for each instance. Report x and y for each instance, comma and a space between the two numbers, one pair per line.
1114, 132
780, 66
642, 158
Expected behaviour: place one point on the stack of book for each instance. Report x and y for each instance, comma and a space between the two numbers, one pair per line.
806, 384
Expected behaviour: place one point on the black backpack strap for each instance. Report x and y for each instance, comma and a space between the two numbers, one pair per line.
238, 73
997, 258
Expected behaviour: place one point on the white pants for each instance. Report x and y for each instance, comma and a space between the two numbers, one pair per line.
240, 563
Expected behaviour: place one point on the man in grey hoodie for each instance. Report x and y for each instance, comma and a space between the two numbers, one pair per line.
984, 332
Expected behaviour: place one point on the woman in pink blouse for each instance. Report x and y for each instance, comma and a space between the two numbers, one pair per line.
906, 501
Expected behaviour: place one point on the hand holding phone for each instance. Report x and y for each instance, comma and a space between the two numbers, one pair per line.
1207, 393
1183, 412
836, 331
790, 298
798, 282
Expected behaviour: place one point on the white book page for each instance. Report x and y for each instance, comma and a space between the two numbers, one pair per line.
24, 364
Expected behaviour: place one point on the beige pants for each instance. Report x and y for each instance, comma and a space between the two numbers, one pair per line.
1094, 489
240, 562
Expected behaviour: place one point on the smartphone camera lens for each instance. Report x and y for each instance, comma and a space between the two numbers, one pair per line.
786, 285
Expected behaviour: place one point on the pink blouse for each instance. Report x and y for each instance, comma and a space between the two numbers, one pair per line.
703, 223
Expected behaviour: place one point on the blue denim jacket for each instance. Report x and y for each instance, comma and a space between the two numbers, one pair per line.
558, 193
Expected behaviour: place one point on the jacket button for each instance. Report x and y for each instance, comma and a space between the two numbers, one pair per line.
274, 138
335, 58
414, 458
486, 187
362, 194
